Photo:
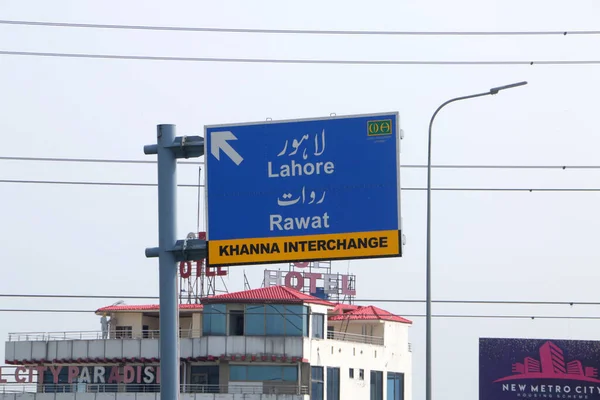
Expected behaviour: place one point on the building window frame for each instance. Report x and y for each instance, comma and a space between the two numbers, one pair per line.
214, 320
333, 383
316, 383
276, 320
395, 386
123, 332
376, 385
318, 325
260, 373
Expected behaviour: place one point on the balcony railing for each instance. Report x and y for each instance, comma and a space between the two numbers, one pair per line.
259, 388
356, 338
95, 335
155, 334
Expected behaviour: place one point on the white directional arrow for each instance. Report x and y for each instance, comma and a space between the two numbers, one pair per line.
218, 141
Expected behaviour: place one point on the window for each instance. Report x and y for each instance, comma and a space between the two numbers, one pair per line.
395, 386
330, 332
276, 320
318, 321
145, 330
262, 373
316, 383
333, 383
123, 332
255, 320
213, 320
236, 322
376, 385
361, 374
296, 320
204, 379
351, 373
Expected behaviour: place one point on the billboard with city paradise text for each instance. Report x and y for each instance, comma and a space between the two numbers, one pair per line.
512, 369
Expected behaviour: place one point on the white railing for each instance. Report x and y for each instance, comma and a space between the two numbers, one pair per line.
266, 388
155, 334
353, 337
93, 335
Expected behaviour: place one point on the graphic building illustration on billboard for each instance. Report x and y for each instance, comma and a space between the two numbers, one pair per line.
551, 365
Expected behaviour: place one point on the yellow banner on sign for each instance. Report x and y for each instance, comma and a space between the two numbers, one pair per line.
305, 248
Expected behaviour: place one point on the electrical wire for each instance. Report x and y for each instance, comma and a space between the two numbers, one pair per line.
520, 302
295, 61
445, 166
485, 316
300, 31
408, 189
86, 183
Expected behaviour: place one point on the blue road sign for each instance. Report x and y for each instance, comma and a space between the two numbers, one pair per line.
300, 190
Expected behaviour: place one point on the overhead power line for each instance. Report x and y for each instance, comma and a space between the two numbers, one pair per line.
90, 183
520, 302
86, 160
301, 31
296, 61
488, 316
408, 189
441, 166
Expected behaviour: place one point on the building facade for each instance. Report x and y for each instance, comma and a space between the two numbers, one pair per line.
269, 343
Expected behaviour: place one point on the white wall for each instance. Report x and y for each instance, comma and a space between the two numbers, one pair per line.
393, 357
149, 348
345, 355
396, 346
241, 345
127, 319
196, 324
152, 322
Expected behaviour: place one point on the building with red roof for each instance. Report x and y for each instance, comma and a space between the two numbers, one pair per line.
269, 343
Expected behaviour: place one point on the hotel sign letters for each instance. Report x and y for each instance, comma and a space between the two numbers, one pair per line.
332, 283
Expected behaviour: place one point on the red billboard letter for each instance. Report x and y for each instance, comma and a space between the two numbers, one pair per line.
185, 269
18, 377
55, 372
299, 280
313, 280
346, 287
128, 374
73, 373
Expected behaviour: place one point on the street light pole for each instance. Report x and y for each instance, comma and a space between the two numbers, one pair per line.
428, 267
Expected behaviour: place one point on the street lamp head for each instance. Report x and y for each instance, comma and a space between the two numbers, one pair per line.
512, 85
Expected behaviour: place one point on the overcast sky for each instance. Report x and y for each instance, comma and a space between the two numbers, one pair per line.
488, 245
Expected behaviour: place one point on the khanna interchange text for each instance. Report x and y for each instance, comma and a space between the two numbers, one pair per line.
303, 246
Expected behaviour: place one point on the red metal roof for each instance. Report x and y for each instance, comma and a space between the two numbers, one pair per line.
145, 307
272, 294
367, 313
342, 308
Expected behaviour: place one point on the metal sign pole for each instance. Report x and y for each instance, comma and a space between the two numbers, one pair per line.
169, 250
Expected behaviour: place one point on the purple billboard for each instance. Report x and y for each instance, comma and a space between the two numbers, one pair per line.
512, 369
